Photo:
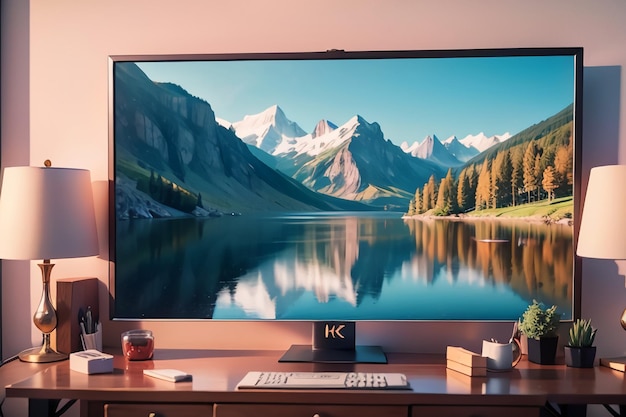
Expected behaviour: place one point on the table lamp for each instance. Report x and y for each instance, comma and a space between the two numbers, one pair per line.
46, 213
602, 232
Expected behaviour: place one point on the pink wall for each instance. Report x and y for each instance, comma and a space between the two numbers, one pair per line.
65, 117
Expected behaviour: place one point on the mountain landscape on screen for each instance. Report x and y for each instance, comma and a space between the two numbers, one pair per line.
175, 157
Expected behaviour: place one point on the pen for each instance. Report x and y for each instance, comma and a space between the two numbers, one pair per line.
81, 319
89, 321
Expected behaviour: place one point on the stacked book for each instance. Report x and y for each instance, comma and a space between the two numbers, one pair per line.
619, 363
466, 362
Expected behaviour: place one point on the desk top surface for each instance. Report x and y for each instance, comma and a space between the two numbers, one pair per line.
217, 372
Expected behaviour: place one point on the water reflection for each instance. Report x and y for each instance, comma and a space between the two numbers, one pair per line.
340, 266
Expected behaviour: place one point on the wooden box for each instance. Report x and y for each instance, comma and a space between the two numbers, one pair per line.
73, 294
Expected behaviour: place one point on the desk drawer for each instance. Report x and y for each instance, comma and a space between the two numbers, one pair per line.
473, 411
158, 410
308, 410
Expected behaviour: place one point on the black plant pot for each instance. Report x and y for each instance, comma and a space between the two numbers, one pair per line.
543, 350
580, 357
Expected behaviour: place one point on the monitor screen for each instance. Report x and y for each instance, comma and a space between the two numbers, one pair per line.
390, 185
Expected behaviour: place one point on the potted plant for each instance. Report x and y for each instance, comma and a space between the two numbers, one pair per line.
540, 326
580, 352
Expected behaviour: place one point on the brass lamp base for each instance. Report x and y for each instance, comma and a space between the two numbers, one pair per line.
41, 355
45, 319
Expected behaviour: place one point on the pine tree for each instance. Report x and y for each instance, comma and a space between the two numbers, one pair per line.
430, 195
418, 202
424, 206
531, 169
501, 174
538, 173
563, 166
445, 201
517, 175
483, 187
462, 193
549, 182
494, 173
473, 183
450, 197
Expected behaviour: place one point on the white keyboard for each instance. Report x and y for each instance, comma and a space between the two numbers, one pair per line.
321, 380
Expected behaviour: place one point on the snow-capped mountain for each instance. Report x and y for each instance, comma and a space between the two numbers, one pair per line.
412, 150
267, 130
323, 127
431, 149
282, 144
272, 132
483, 142
357, 163
458, 150
334, 160
453, 151
325, 136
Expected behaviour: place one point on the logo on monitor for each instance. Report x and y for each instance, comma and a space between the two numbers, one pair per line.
333, 335
334, 331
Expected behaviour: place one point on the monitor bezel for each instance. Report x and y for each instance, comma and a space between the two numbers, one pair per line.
576, 52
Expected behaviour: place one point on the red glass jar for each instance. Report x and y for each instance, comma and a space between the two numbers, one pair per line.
138, 345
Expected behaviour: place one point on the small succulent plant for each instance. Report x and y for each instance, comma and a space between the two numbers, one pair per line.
581, 334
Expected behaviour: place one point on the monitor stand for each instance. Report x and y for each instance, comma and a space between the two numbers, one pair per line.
334, 342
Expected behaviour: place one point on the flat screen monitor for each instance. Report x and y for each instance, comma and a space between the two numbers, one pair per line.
345, 186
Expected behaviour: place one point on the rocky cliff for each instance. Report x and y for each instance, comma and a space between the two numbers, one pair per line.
164, 132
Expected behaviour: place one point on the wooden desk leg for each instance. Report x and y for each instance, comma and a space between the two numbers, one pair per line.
91, 409
573, 410
42, 407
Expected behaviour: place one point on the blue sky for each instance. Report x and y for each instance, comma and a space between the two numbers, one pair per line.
409, 98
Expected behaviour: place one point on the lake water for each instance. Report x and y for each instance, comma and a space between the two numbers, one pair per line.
347, 266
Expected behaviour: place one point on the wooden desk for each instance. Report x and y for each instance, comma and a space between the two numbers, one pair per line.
435, 390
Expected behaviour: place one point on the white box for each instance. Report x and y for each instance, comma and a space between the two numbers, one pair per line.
172, 375
91, 362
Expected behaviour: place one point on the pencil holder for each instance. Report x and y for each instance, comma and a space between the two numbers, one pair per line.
93, 340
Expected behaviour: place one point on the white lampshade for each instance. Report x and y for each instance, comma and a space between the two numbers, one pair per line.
46, 213
603, 223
